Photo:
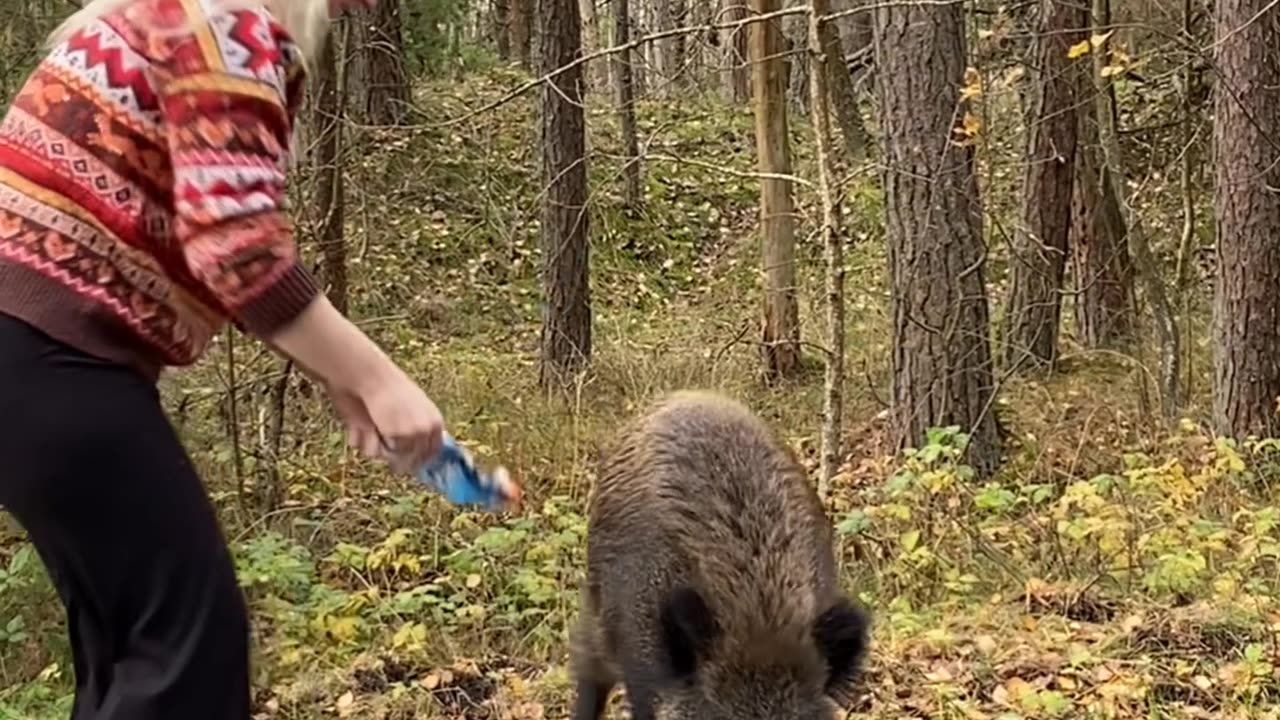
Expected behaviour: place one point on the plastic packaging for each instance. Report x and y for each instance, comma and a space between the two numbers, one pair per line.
453, 474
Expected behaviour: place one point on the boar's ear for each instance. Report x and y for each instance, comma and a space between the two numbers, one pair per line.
688, 628
841, 636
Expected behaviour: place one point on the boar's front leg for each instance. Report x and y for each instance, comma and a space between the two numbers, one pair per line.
592, 698
593, 669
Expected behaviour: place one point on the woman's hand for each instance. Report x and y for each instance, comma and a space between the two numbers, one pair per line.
387, 415
395, 421
408, 423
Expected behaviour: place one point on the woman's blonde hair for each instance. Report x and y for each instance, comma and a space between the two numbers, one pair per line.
306, 20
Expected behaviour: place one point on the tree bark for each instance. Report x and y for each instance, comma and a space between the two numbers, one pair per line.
640, 62
1146, 269
942, 373
1246, 309
796, 29
781, 345
595, 74
356, 29
566, 282
737, 71
1040, 242
522, 22
633, 193
330, 187
670, 51
1101, 265
824, 55
502, 28
843, 95
388, 84
679, 44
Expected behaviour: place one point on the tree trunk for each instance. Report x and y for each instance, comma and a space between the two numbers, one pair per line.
1101, 266
594, 73
1040, 242
1146, 268
781, 346
679, 44
633, 193
639, 56
826, 55
522, 21
737, 71
502, 28
942, 373
388, 88
566, 323
1246, 309
669, 15
858, 49
330, 188
356, 29
843, 95
796, 43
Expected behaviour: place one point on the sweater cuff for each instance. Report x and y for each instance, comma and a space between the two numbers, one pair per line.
280, 303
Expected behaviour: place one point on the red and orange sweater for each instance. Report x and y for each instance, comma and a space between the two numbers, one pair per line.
142, 177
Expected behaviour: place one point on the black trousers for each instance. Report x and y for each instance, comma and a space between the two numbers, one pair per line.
93, 471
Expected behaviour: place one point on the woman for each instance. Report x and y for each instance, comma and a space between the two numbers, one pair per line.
142, 173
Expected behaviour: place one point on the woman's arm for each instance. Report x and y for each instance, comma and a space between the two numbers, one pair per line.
228, 126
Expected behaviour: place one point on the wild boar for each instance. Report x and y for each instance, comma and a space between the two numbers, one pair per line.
711, 588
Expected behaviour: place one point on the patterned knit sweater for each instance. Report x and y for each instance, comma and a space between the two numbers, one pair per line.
142, 175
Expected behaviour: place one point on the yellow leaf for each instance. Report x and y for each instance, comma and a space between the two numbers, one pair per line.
972, 125
1110, 70
972, 84
431, 681
519, 686
1079, 50
343, 628
473, 581
1018, 688
1097, 40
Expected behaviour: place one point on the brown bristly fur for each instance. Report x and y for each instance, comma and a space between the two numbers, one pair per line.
700, 493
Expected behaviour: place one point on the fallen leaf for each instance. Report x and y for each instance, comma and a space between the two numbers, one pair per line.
346, 704
986, 644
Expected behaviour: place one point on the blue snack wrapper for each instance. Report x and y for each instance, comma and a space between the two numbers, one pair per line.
453, 474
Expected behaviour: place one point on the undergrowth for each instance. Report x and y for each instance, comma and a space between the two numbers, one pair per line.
1110, 570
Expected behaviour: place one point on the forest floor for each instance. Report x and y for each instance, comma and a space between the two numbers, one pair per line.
1112, 569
